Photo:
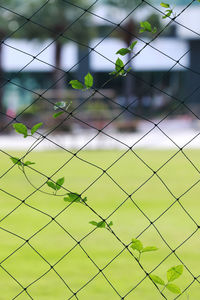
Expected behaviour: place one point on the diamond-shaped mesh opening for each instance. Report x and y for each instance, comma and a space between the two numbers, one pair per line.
115, 165
78, 273
126, 219
153, 192
189, 201
183, 224
33, 267
50, 284
124, 269
52, 235
99, 287
24, 221
177, 180
183, 253
6, 280
101, 247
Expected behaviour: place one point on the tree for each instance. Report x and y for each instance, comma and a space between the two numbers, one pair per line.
61, 22
128, 31
8, 26
127, 35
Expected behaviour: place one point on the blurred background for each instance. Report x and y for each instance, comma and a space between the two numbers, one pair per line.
45, 45
150, 195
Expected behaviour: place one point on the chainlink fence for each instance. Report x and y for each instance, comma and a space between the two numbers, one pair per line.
49, 248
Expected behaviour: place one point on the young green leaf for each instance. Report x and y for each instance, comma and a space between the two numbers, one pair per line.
110, 223
51, 185
21, 128
168, 14
16, 161
59, 183
133, 45
149, 248
145, 26
173, 288
93, 223
76, 84
88, 80
119, 65
174, 272
101, 224
56, 115
36, 127
74, 197
84, 199
156, 279
154, 30
28, 163
136, 245
123, 51
166, 5
60, 104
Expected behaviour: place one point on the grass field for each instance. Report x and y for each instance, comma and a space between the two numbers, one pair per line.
104, 196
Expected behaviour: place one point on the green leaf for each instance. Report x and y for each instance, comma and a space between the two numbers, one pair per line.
149, 248
36, 127
21, 128
93, 223
154, 30
145, 26
88, 80
123, 51
110, 223
136, 245
60, 104
133, 45
168, 14
59, 183
76, 84
74, 197
128, 70
166, 5
58, 114
156, 279
119, 65
16, 161
84, 199
174, 272
28, 163
173, 288
101, 224
51, 185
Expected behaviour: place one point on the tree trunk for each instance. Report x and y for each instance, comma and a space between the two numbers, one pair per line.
59, 77
128, 82
2, 116
127, 37
83, 66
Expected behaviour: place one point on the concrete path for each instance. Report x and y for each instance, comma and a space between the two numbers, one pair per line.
169, 135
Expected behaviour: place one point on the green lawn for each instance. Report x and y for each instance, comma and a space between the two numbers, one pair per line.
151, 196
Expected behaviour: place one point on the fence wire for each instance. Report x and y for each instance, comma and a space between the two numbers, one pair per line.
53, 217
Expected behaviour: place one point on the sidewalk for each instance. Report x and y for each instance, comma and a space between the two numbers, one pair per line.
169, 135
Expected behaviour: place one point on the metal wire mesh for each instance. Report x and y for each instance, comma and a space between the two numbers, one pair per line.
52, 218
